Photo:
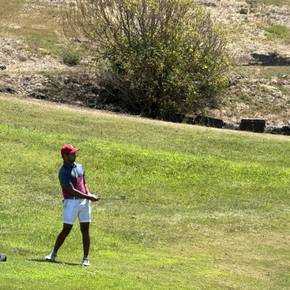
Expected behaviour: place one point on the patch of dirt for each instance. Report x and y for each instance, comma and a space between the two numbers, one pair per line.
16, 57
264, 98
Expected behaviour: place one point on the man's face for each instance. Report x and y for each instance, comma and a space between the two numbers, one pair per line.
71, 157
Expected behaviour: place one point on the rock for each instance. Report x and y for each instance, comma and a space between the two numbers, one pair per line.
253, 125
244, 11
231, 126
2, 67
189, 119
7, 90
270, 58
209, 121
176, 117
22, 58
284, 130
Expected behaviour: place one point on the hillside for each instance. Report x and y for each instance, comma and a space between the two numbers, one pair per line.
204, 208
32, 48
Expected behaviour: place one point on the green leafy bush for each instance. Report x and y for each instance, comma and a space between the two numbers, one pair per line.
166, 55
71, 57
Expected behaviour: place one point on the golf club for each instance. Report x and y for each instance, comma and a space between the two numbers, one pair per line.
112, 197
122, 197
3, 258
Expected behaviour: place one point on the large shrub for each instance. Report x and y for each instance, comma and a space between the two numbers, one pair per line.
164, 56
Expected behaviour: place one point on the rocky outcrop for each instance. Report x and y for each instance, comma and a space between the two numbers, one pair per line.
269, 59
253, 125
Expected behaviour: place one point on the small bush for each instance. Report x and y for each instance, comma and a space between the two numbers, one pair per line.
71, 57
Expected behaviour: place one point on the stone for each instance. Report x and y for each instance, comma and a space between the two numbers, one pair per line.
286, 130
209, 121
7, 90
253, 125
270, 58
175, 118
231, 126
244, 11
189, 119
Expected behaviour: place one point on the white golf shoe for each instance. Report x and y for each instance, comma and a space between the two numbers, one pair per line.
50, 257
86, 262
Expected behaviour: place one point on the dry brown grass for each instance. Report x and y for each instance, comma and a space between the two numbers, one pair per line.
38, 27
10, 9
275, 2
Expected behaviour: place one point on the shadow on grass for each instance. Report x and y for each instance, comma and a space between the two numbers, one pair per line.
55, 262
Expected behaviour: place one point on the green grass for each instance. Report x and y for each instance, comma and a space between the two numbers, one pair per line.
39, 40
274, 2
71, 56
205, 209
279, 32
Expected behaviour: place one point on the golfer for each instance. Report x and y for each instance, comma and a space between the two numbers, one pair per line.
76, 203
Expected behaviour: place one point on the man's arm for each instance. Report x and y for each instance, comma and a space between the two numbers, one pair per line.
85, 184
65, 181
77, 193
87, 188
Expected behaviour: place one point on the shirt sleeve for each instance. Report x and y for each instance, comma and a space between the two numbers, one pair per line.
65, 179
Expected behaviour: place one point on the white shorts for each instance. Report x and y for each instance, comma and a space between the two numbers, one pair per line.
73, 208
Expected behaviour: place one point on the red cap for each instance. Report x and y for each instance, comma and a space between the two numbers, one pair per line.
68, 149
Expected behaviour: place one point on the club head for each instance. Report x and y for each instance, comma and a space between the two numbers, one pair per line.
3, 258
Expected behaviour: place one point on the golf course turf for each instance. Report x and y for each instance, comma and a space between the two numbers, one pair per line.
203, 208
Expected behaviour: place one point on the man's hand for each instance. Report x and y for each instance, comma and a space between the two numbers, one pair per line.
93, 197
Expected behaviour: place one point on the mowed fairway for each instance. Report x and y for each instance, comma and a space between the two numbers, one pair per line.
204, 208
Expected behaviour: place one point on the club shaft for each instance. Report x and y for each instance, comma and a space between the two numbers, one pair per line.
113, 197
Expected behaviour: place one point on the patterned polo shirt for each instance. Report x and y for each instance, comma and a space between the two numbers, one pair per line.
72, 175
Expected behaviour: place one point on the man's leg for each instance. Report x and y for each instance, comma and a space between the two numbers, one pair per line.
59, 241
62, 236
85, 219
70, 212
86, 238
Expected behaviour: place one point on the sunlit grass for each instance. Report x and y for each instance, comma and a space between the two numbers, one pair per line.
204, 208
